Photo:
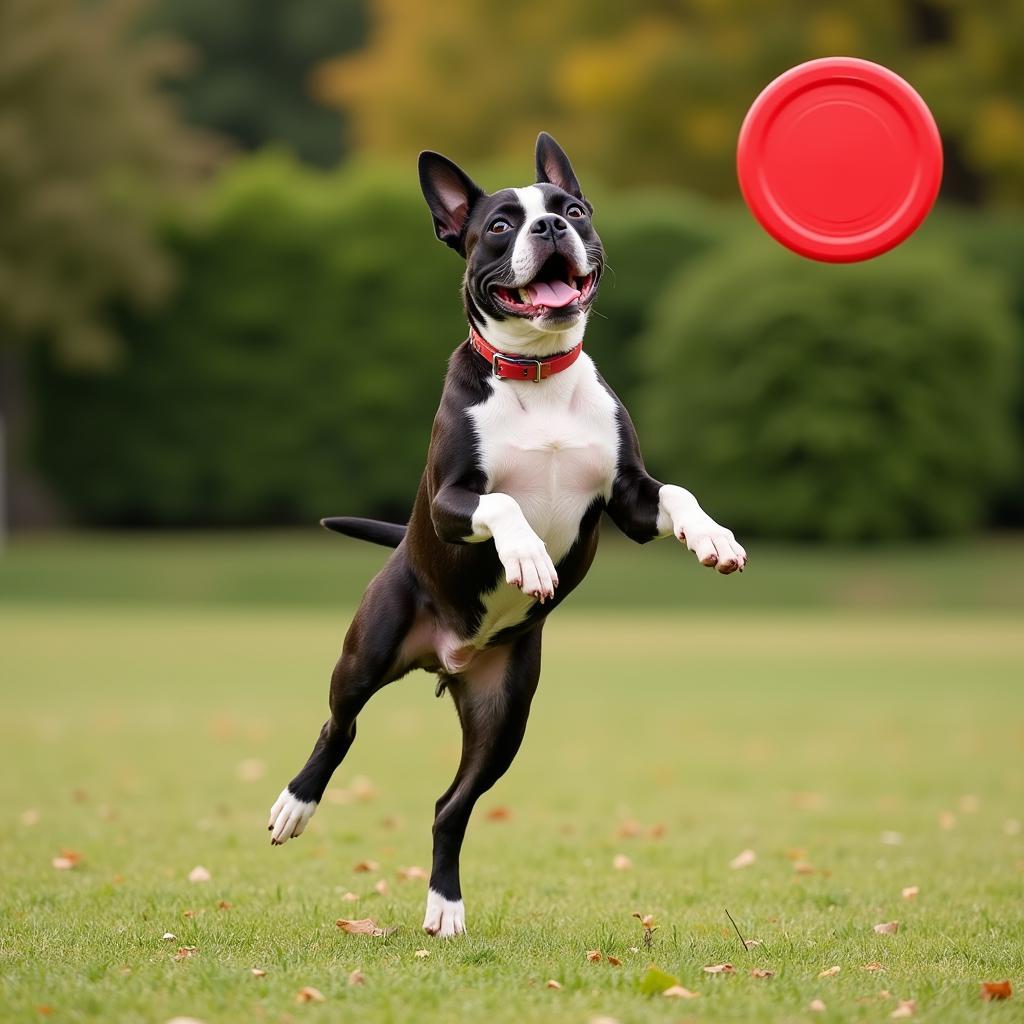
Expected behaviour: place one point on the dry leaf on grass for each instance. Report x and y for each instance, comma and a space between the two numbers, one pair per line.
762, 972
349, 897
830, 972
816, 1006
603, 1020
720, 969
357, 978
751, 943
252, 769
184, 1020
168, 936
647, 920
887, 928
188, 913
366, 866
621, 862
909, 892
362, 788
199, 874
803, 867
258, 972
629, 829
1012, 827
410, 873
678, 992
996, 990
969, 803
44, 1010
906, 1008
551, 983
381, 888
30, 817
657, 831
892, 838
421, 954
67, 860
364, 926
614, 961
743, 859
308, 994
594, 955
873, 966
185, 953
498, 814
223, 905
947, 820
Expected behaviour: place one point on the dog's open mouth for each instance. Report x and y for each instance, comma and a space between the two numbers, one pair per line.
557, 286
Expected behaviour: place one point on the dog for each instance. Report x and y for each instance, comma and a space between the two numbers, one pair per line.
529, 447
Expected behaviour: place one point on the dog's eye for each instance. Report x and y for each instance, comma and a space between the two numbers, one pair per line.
575, 211
500, 226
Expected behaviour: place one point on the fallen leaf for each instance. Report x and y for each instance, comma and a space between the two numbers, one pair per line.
1012, 827
892, 838
185, 953
408, 874
816, 1006
257, 972
909, 892
720, 969
499, 814
803, 867
796, 853
44, 1010
357, 977
188, 913
349, 897
594, 955
603, 1020
252, 769
223, 905
366, 866
656, 980
614, 961
30, 817
743, 859
184, 1020
647, 920
657, 831
551, 983
622, 863
308, 994
421, 954
947, 820
809, 801
906, 1008
678, 992
761, 972
969, 803
751, 943
996, 990
873, 966
67, 860
629, 829
169, 937
364, 926
830, 972
199, 874
381, 887
887, 928
362, 788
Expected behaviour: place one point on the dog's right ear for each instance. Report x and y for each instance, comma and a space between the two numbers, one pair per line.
451, 195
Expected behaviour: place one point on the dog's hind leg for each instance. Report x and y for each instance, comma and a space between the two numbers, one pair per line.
370, 659
493, 699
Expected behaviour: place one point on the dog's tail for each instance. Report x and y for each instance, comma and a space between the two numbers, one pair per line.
376, 532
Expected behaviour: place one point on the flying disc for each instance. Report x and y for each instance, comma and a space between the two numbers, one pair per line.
839, 159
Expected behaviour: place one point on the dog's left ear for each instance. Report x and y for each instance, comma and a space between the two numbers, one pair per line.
451, 195
553, 166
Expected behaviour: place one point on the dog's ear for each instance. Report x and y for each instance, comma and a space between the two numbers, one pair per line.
553, 166
451, 195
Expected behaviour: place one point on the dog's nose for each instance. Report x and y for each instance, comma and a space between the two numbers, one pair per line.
551, 226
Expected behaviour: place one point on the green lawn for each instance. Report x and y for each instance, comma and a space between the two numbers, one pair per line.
857, 712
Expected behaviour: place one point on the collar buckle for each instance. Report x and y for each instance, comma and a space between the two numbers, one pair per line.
537, 364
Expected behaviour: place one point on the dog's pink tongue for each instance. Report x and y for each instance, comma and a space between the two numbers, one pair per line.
552, 294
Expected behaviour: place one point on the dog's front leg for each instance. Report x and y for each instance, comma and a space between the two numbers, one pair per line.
460, 516
713, 544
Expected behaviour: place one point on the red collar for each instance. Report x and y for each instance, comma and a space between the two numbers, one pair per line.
516, 367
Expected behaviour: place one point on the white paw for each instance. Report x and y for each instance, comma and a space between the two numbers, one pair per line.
528, 566
289, 817
714, 545
444, 918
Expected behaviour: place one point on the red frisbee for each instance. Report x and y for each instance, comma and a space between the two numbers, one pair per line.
839, 159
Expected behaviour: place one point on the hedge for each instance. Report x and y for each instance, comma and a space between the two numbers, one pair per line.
800, 400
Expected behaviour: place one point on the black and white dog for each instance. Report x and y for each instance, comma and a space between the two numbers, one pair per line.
528, 448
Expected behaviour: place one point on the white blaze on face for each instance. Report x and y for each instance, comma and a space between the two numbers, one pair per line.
525, 261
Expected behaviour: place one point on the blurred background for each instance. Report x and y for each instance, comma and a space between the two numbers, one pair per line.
220, 295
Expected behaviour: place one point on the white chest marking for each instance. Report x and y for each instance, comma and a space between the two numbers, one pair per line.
553, 446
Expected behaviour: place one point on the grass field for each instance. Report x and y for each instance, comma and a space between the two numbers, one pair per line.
855, 718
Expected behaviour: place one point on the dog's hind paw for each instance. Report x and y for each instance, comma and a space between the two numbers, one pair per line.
289, 817
445, 918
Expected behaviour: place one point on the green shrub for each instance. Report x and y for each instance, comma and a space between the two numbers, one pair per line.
294, 374
837, 402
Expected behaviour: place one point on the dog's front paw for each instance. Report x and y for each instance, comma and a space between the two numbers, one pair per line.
714, 545
444, 918
529, 567
289, 817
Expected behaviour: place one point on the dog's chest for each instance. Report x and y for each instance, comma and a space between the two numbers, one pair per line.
553, 446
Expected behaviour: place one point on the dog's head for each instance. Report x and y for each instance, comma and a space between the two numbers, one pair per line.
533, 258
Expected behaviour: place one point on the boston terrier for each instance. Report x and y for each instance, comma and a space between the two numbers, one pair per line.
529, 447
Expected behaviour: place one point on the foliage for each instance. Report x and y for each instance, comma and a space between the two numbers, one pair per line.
655, 93
86, 144
810, 401
295, 374
253, 61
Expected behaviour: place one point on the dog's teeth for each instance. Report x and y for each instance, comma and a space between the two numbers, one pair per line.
523, 297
